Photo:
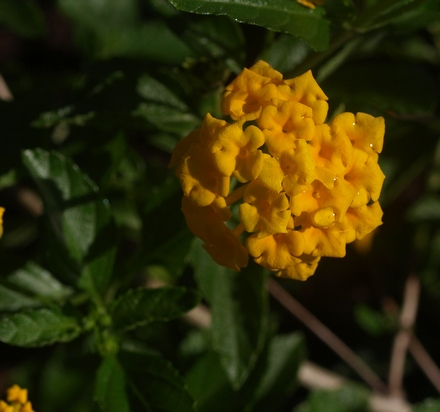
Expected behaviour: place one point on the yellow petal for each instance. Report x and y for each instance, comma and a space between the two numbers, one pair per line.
332, 153
299, 168
235, 150
16, 394
364, 131
301, 270
277, 251
264, 69
2, 211
210, 128
305, 90
271, 173
200, 178
284, 123
323, 218
4, 407
27, 407
221, 208
247, 94
220, 242
323, 241
319, 196
264, 210
363, 220
366, 177
182, 147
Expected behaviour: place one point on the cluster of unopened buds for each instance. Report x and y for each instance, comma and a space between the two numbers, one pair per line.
17, 401
307, 188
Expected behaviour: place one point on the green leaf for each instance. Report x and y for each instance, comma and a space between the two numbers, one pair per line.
152, 40
34, 279
80, 226
239, 306
23, 17
404, 10
173, 253
279, 380
419, 18
38, 327
140, 306
154, 385
11, 301
348, 398
209, 384
168, 119
285, 53
374, 322
279, 15
112, 28
216, 37
153, 90
110, 390
383, 12
425, 209
271, 383
428, 405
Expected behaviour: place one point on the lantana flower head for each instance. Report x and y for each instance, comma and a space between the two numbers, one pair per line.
304, 188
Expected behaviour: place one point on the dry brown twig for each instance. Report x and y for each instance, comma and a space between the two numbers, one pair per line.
415, 347
403, 337
326, 335
5, 93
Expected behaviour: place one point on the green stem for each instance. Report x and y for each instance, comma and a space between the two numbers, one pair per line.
364, 20
316, 58
360, 24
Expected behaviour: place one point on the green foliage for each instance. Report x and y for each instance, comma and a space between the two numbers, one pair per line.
113, 28
154, 385
38, 281
270, 383
23, 17
425, 209
10, 300
429, 405
140, 306
279, 15
239, 312
79, 224
374, 322
38, 327
349, 398
110, 390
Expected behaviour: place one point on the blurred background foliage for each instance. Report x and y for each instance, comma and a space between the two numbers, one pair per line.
94, 96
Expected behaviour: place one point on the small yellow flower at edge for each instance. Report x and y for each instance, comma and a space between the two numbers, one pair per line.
2, 210
4, 407
16, 401
16, 394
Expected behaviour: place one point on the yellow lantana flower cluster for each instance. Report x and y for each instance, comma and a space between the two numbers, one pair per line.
17, 401
307, 188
